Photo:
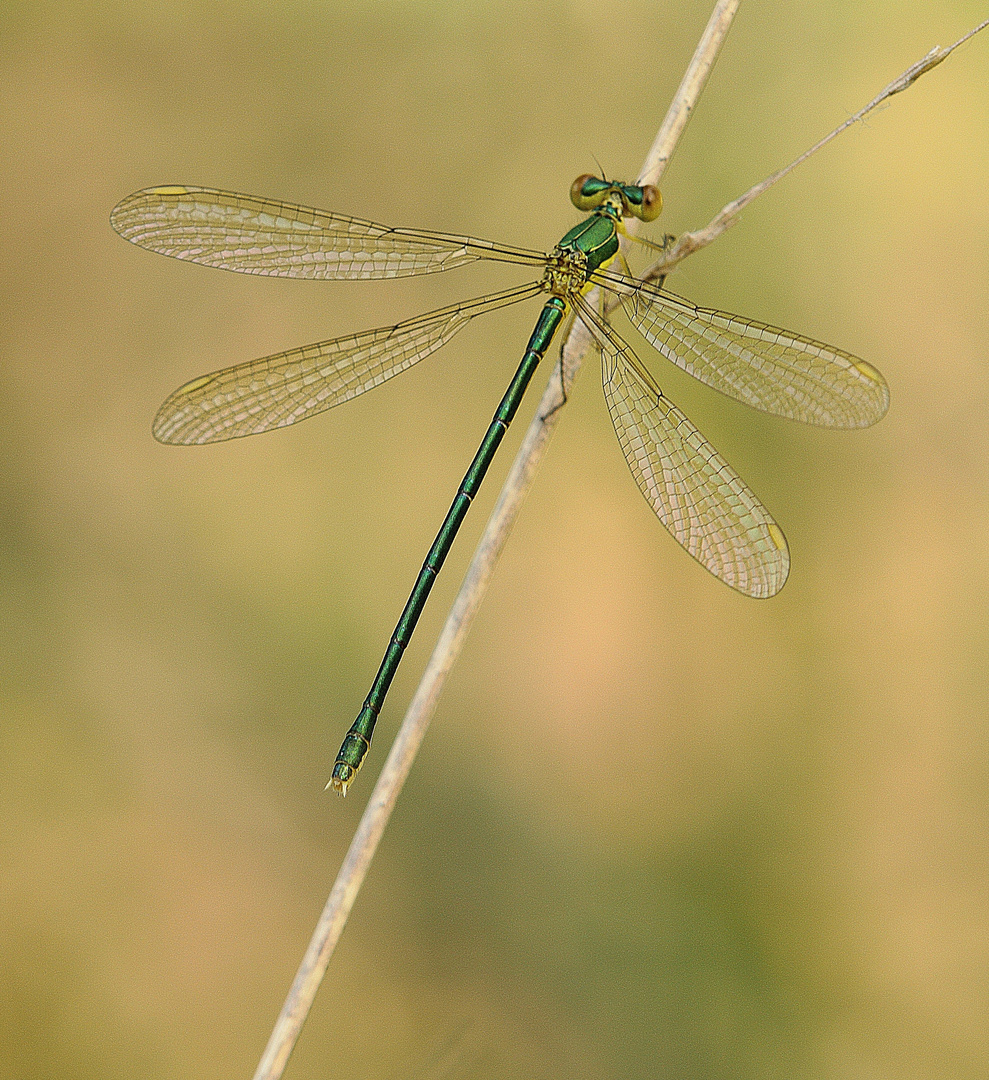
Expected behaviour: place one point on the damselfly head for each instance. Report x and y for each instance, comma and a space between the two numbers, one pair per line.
590, 192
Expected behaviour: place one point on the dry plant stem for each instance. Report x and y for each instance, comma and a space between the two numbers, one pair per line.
690, 88
579, 340
688, 243
409, 738
413, 728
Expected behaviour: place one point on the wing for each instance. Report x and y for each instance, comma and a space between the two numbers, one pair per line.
770, 369
695, 493
258, 236
282, 389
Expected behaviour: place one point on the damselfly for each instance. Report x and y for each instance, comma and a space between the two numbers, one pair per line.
693, 490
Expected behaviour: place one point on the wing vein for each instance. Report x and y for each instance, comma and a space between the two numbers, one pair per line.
250, 235
764, 366
694, 492
284, 388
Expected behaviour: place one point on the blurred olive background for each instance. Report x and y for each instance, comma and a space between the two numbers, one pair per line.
786, 876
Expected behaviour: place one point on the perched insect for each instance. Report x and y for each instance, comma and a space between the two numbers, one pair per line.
693, 490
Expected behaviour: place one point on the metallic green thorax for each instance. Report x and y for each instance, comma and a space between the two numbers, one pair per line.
591, 244
596, 238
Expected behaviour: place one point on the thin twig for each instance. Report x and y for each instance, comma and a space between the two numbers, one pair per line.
579, 341
413, 728
688, 243
420, 711
690, 89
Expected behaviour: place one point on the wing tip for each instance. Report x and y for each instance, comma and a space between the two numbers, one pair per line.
762, 578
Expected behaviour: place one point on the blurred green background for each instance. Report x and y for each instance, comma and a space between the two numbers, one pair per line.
787, 875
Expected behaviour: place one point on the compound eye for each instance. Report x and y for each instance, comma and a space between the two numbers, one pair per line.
588, 192
651, 206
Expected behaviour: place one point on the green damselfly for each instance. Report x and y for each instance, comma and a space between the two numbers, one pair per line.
693, 490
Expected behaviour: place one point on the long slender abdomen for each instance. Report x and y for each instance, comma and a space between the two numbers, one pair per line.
358, 741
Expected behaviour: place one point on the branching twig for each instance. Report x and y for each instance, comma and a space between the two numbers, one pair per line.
413, 728
688, 243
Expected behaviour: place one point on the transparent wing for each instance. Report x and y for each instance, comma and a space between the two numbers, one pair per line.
770, 369
259, 236
693, 490
278, 390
